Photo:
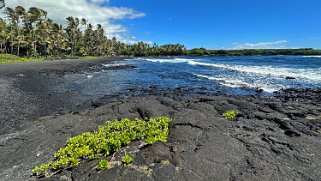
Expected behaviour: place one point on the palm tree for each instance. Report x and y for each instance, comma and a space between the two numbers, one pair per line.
58, 40
73, 32
2, 4
46, 30
28, 32
87, 40
84, 22
14, 18
4, 34
34, 18
20, 12
44, 26
99, 39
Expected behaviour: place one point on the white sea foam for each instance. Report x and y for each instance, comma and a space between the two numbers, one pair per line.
305, 74
175, 60
90, 76
238, 83
312, 56
114, 65
231, 82
308, 74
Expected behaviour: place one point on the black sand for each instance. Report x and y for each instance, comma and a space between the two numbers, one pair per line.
274, 138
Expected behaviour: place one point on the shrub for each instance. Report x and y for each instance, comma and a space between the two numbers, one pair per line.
103, 165
106, 140
231, 114
127, 160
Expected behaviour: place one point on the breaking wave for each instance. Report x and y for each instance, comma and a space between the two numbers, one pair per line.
308, 74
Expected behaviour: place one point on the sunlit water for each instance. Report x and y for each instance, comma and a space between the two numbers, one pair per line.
234, 75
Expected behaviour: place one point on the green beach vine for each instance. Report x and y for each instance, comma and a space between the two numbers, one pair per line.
105, 141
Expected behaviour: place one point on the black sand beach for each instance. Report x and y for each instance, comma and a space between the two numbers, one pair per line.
274, 138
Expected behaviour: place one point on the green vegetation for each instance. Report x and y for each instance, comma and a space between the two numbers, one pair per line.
31, 33
127, 160
231, 114
107, 140
7, 58
103, 165
250, 52
145, 49
43, 169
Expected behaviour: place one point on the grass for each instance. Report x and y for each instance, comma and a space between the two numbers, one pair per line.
106, 140
231, 114
8, 58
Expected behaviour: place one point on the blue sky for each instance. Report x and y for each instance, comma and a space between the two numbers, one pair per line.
213, 24
226, 24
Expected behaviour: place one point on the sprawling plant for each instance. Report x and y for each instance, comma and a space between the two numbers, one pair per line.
103, 165
127, 160
107, 140
231, 114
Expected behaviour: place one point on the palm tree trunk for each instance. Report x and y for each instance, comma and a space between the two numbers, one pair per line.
44, 44
36, 47
18, 38
72, 49
18, 52
11, 41
34, 43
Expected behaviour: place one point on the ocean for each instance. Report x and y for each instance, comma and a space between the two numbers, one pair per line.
231, 75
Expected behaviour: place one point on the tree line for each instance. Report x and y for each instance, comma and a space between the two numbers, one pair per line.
31, 33
252, 52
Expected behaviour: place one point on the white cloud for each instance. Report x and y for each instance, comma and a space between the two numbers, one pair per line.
99, 1
260, 45
59, 10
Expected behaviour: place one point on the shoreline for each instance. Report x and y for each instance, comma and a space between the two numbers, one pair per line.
64, 65
273, 137
25, 88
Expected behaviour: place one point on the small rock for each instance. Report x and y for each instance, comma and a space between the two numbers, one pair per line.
65, 178
259, 90
290, 78
311, 117
260, 115
39, 153
174, 149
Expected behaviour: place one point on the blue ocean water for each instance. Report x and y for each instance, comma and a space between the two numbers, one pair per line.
235, 75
